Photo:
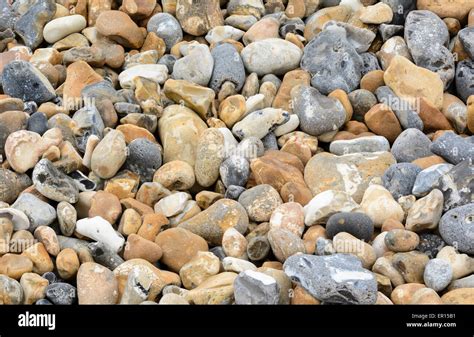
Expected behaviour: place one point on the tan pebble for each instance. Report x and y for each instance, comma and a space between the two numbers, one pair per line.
234, 243
348, 244
15, 266
67, 263
34, 287
139, 247
42, 262
96, 285
400, 240
202, 266
124, 185
151, 225
411, 265
48, 237
300, 296
459, 296
175, 175
403, 294
105, 205
425, 296
311, 236
372, 80
138, 206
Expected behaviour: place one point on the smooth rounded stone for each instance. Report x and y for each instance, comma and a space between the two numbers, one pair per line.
427, 178
59, 28
11, 291
406, 112
29, 26
209, 156
284, 243
465, 282
233, 192
22, 80
166, 27
459, 296
218, 251
252, 287
67, 263
171, 242
100, 230
410, 145
144, 158
466, 37
464, 78
409, 82
202, 266
400, 178
54, 184
369, 62
362, 101
260, 202
411, 265
38, 122
12, 184
38, 212
423, 30
234, 244
220, 33
195, 66
258, 248
332, 68
15, 266
241, 21
34, 287
325, 204
453, 148
230, 143
349, 173
104, 255
18, 218
61, 293
141, 248
288, 127
109, 155
172, 204
337, 278
173, 299
105, 205
119, 27
438, 274
426, 212
403, 294
175, 175
360, 38
96, 284
425, 296
228, 67
430, 244
157, 73
180, 129
48, 237
462, 264
234, 171
456, 228
379, 205
288, 216
362, 144
355, 223
400, 240
317, 113
285, 55
346, 243
67, 217
259, 123
215, 220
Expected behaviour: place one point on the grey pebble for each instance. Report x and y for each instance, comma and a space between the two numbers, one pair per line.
428, 178
234, 170
39, 213
411, 144
144, 158
251, 287
399, 179
357, 224
453, 147
438, 274
457, 228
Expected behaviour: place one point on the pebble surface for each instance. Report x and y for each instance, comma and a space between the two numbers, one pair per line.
236, 152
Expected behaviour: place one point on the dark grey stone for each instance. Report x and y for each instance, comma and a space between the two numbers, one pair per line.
235, 170
354, 223
318, 114
337, 278
399, 179
103, 255
465, 79
7, 15
228, 67
291, 25
369, 63
388, 30
38, 122
332, 61
83, 182
362, 100
270, 142
430, 244
144, 158
453, 147
21, 79
360, 38
61, 293
400, 8
251, 287
457, 228
219, 252
258, 248
233, 192
50, 276
466, 37
167, 27
89, 122
125, 108
411, 144
30, 25
168, 60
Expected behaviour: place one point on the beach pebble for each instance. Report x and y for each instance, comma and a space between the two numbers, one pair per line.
438, 274
456, 227
357, 224
400, 178
252, 287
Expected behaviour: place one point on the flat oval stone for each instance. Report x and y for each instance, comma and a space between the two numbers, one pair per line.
215, 220
38, 212
317, 113
54, 184
58, 28
355, 223
457, 227
228, 67
259, 123
361, 144
209, 156
109, 155
285, 54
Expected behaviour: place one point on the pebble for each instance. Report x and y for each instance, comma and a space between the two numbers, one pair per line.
438, 274
430, 244
357, 224
175, 175
144, 158
284, 243
379, 204
99, 229
119, 27
425, 212
195, 66
252, 287
325, 204
234, 243
47, 236
260, 202
67, 263
456, 229
410, 145
202, 266
54, 184
39, 213
411, 265
400, 178
109, 155
255, 56
96, 285
104, 255
15, 266
288, 216
67, 217
335, 279
400, 240
61, 293
346, 243
234, 171
166, 27
34, 287
237, 265
427, 178
259, 123
361, 144
172, 204
453, 148
59, 28
29, 26
11, 291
